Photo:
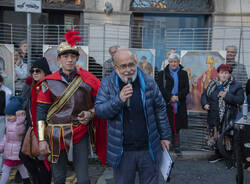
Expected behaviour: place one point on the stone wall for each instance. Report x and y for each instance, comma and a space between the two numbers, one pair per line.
227, 27
228, 13
107, 30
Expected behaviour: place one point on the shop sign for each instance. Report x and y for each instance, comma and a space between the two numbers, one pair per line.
31, 6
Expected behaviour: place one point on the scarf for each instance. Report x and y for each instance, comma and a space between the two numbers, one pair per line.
174, 74
224, 86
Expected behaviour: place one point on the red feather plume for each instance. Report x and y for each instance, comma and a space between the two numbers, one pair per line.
71, 38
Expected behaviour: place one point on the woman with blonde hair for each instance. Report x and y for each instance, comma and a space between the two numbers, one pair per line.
208, 75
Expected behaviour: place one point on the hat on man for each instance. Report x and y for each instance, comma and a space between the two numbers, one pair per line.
70, 45
14, 105
42, 64
64, 48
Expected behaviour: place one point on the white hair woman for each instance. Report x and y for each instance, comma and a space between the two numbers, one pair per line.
174, 85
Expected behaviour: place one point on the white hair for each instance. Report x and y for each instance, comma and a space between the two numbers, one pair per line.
173, 56
232, 46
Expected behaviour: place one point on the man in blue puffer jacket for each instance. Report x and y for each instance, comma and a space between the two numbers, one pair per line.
138, 130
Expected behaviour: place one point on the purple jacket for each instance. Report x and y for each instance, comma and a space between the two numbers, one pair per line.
12, 140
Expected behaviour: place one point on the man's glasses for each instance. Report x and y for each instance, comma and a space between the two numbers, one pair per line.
124, 66
35, 71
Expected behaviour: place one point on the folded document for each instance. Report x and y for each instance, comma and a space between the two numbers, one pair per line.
166, 164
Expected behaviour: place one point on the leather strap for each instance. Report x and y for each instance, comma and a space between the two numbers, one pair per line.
66, 129
55, 138
65, 96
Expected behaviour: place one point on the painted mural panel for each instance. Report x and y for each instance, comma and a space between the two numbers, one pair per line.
7, 64
145, 59
201, 68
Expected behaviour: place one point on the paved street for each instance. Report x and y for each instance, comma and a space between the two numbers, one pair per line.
198, 172
202, 172
186, 171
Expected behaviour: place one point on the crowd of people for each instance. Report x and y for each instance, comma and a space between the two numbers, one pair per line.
135, 116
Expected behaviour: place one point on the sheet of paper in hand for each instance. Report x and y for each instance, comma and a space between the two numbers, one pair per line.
166, 164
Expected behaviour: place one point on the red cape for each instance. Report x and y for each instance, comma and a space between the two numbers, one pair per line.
100, 125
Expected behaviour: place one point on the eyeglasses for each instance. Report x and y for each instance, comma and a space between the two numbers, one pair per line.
124, 66
35, 71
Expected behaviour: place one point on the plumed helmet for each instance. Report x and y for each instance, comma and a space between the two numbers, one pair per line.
70, 45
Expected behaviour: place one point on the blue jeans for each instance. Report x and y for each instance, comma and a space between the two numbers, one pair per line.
133, 161
80, 163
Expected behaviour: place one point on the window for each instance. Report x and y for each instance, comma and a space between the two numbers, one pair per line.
164, 31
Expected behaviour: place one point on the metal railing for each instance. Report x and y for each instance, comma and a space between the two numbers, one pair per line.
99, 38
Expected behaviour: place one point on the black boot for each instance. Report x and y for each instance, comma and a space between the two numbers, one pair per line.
26, 181
35, 180
177, 148
18, 178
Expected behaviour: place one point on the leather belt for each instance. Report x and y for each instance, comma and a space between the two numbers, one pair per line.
55, 132
65, 124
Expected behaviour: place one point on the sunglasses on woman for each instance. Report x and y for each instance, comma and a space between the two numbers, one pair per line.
35, 71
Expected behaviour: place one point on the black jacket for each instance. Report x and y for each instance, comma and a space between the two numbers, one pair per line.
248, 87
248, 93
2, 102
95, 68
183, 90
234, 97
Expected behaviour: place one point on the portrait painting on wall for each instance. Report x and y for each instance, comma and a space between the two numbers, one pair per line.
201, 68
145, 59
7, 64
50, 52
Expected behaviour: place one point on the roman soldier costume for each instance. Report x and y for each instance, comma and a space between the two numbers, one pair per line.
67, 99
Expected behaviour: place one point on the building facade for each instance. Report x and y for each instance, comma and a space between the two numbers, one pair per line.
148, 24
158, 24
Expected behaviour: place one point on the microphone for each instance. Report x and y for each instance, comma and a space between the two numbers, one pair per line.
128, 100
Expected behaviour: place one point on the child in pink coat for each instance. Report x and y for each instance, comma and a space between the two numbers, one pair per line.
11, 143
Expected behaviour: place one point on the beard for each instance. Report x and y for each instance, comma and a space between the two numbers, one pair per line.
125, 79
230, 58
